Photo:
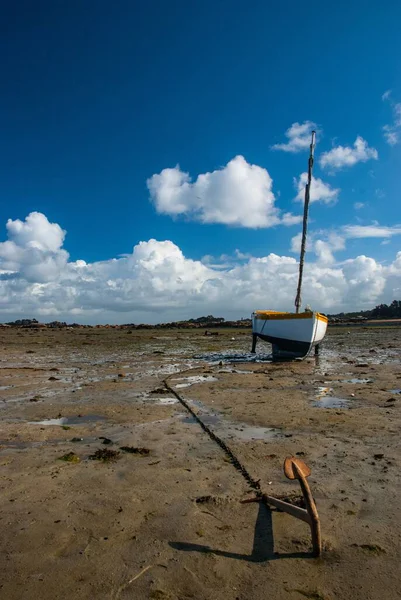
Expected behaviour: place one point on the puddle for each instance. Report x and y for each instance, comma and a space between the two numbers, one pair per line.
331, 402
396, 391
193, 380
234, 357
5, 387
323, 391
356, 380
324, 399
235, 371
70, 420
166, 401
229, 429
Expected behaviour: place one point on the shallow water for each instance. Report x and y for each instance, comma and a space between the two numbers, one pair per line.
356, 380
331, 402
226, 428
70, 420
234, 357
325, 399
194, 379
166, 401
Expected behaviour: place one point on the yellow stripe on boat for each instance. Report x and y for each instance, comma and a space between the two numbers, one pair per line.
274, 315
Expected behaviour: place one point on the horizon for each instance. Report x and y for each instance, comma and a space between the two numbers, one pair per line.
190, 319
154, 168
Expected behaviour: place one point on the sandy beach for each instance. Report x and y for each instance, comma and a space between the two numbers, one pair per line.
164, 520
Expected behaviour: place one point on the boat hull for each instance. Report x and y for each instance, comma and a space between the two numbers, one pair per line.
293, 335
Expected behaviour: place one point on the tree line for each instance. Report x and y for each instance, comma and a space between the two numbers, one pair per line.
381, 311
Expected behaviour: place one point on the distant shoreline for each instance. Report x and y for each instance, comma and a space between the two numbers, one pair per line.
244, 324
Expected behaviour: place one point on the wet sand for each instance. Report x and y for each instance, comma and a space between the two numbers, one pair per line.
169, 524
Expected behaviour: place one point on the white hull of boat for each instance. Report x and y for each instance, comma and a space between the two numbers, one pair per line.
292, 335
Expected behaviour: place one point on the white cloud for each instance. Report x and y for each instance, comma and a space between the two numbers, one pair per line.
242, 255
391, 132
239, 194
290, 219
156, 282
299, 137
397, 114
391, 136
346, 156
296, 243
33, 248
324, 252
358, 205
323, 248
319, 191
370, 231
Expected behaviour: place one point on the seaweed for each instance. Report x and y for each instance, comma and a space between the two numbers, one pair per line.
133, 450
105, 455
70, 457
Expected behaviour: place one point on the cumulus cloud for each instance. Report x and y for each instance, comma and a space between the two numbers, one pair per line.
322, 243
299, 137
33, 249
319, 191
358, 205
239, 194
156, 282
296, 241
391, 132
347, 156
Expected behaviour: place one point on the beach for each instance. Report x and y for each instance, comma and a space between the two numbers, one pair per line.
162, 518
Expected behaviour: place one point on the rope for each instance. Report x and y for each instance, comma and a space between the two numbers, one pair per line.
229, 453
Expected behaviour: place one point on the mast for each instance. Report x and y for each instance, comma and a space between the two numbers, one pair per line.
298, 299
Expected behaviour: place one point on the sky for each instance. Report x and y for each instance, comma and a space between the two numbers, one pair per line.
153, 157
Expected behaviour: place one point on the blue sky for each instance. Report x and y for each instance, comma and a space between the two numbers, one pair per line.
97, 98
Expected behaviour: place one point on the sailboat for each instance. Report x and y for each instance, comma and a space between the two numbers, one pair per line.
292, 335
